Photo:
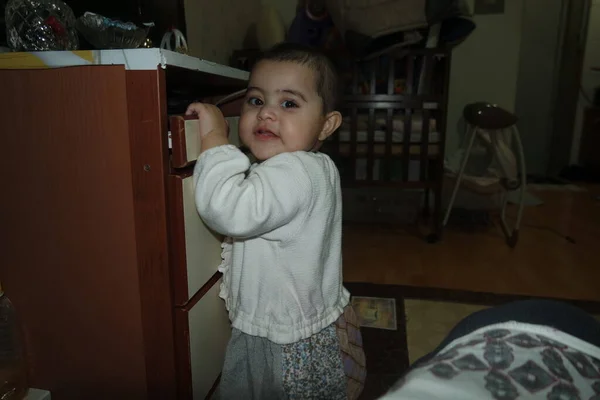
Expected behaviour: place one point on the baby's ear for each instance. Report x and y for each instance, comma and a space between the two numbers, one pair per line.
333, 120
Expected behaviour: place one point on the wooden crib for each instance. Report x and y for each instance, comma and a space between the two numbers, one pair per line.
393, 136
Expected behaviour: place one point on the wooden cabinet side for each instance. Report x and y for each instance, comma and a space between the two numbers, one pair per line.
147, 117
69, 259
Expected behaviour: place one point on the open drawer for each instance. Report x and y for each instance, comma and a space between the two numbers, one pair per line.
184, 140
195, 253
202, 331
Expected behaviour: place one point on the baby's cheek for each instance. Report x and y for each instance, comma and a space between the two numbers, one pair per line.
243, 135
245, 125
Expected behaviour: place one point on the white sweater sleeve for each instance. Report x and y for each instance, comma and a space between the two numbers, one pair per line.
239, 206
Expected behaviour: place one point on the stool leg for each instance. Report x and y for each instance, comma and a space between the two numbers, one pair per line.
459, 176
513, 237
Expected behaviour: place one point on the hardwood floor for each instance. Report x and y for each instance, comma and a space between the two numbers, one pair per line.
544, 263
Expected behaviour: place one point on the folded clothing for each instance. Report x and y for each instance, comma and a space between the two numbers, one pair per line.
380, 136
362, 122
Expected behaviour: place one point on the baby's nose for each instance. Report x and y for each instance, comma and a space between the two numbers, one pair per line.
267, 112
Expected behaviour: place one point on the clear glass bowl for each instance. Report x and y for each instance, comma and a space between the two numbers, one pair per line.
39, 25
105, 33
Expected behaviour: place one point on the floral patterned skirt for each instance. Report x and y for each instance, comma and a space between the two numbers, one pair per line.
329, 365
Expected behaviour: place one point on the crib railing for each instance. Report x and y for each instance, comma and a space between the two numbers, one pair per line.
393, 133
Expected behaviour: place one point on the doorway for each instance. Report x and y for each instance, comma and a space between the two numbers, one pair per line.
550, 62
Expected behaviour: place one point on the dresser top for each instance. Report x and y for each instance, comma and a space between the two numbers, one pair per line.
132, 59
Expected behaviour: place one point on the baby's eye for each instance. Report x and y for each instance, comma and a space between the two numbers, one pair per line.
255, 101
289, 104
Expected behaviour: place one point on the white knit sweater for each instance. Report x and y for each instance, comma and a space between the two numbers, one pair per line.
282, 269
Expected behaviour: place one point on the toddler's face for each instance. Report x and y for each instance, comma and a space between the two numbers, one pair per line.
282, 111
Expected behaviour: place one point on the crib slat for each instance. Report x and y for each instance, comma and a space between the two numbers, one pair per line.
410, 74
428, 65
371, 144
424, 164
406, 143
441, 128
391, 75
372, 80
387, 164
353, 128
371, 126
410, 84
387, 176
355, 74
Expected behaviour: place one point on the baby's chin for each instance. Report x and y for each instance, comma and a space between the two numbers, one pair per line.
261, 154
264, 156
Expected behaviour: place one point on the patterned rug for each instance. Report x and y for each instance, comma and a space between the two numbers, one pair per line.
424, 316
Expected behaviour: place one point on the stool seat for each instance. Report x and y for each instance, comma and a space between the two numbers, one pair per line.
488, 116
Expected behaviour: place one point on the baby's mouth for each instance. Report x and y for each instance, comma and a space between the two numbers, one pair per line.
265, 134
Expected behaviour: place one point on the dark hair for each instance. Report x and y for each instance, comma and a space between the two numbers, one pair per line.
324, 69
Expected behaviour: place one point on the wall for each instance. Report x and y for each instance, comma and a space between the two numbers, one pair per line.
286, 8
538, 79
485, 67
216, 28
589, 79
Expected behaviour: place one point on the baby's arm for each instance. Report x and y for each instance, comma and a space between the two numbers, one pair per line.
241, 207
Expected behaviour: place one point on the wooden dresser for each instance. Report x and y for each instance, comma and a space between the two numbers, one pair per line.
112, 271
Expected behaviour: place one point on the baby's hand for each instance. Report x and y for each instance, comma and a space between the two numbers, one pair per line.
210, 120
213, 127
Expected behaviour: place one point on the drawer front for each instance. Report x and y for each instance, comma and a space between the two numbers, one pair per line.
195, 250
202, 333
185, 140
